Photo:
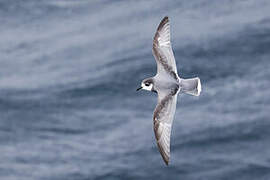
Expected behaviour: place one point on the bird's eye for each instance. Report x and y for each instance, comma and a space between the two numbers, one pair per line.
147, 84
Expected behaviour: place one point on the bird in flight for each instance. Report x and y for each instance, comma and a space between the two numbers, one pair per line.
167, 84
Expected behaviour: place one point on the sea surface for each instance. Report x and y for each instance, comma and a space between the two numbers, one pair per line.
68, 74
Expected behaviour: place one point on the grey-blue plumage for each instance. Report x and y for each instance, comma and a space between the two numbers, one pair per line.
167, 84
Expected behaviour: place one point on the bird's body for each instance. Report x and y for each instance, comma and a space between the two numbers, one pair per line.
167, 84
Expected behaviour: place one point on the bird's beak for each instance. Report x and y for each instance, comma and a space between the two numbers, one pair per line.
139, 88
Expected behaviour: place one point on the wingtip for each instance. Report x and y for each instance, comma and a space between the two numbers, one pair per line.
163, 22
166, 18
165, 157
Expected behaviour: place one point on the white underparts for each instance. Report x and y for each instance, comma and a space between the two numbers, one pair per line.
148, 88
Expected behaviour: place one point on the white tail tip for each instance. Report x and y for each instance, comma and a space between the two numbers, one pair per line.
199, 87
191, 86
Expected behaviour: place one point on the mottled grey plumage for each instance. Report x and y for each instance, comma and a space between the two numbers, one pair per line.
167, 84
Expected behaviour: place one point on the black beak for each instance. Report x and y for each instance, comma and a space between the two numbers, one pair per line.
139, 88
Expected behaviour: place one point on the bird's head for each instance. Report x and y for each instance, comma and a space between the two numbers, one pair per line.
147, 84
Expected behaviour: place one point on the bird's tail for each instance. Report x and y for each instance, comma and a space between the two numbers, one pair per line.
191, 86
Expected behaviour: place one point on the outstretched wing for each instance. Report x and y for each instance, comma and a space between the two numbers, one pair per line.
163, 118
162, 50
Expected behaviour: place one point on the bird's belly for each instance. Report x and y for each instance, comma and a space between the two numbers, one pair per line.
167, 86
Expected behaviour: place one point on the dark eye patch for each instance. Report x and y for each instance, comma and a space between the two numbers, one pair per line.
147, 84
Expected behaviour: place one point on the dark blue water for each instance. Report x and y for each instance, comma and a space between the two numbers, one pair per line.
68, 105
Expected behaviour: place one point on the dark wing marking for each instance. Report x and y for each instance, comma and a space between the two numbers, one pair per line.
163, 118
162, 49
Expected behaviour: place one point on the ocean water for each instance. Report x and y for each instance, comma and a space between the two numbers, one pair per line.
68, 105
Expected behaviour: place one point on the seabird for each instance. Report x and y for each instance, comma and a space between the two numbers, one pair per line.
167, 84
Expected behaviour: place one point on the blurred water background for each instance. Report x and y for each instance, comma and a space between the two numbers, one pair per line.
68, 105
